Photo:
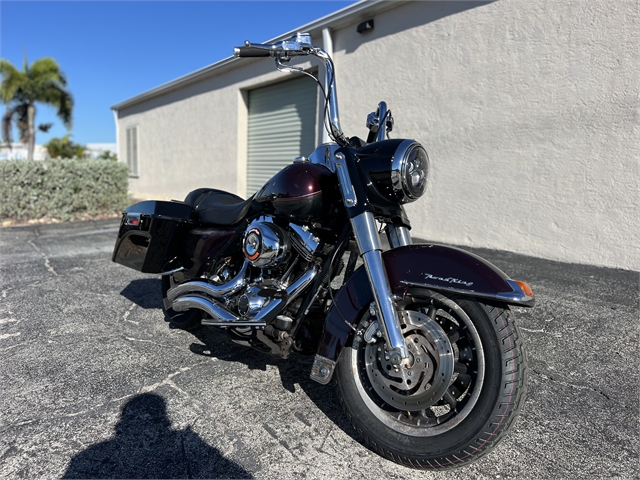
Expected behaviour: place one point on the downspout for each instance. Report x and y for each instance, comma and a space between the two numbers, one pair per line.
115, 119
327, 45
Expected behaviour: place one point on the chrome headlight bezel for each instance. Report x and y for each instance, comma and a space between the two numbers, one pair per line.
403, 166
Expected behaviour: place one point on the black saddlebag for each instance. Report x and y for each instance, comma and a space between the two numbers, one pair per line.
150, 233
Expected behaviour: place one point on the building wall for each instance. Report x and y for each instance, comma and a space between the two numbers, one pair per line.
196, 136
20, 151
94, 150
529, 111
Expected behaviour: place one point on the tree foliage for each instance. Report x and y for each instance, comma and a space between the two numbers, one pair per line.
64, 148
20, 90
108, 155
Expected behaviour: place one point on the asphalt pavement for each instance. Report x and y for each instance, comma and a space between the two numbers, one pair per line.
94, 383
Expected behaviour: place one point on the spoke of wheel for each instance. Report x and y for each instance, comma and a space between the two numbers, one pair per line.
450, 399
460, 368
462, 382
454, 336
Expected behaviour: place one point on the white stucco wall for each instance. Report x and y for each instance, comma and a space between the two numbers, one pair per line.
183, 140
196, 136
529, 111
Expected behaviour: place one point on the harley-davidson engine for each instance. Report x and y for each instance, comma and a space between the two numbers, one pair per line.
279, 255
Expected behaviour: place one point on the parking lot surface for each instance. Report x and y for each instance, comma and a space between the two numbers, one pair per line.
95, 384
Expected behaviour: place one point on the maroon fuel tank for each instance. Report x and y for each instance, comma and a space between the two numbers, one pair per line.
304, 192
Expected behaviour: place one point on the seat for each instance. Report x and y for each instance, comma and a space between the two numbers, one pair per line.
217, 207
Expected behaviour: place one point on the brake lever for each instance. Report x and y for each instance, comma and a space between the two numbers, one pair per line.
280, 63
281, 60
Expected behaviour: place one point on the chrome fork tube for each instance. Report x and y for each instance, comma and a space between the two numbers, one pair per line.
382, 121
398, 236
366, 234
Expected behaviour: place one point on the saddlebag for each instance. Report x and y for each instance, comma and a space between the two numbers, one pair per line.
149, 233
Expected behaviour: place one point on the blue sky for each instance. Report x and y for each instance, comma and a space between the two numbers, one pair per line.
111, 51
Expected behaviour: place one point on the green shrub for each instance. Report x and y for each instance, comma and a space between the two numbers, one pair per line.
65, 189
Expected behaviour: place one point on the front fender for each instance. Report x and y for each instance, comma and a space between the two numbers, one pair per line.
435, 267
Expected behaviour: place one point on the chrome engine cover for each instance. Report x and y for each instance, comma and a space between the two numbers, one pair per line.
251, 302
264, 245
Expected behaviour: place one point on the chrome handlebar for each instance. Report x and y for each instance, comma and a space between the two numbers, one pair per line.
299, 45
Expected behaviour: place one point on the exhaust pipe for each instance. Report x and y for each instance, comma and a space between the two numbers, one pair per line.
220, 316
194, 295
208, 305
214, 291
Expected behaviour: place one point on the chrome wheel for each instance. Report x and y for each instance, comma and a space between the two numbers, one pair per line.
405, 414
442, 381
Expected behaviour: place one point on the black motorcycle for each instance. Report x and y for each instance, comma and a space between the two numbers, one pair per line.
428, 366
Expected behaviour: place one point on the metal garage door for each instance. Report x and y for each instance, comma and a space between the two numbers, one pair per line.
282, 126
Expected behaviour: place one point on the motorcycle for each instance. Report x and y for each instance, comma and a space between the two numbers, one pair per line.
428, 365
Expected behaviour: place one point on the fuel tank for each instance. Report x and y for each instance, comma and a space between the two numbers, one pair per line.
304, 192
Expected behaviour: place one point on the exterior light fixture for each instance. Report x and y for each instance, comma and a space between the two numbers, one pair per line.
365, 26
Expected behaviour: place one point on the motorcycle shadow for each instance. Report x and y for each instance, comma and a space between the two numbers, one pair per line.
144, 292
293, 371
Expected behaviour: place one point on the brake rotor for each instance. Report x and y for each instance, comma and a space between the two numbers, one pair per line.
424, 379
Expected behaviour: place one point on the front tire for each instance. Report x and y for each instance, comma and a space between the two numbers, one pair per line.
456, 399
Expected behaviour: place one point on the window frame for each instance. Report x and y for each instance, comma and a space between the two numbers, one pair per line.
132, 145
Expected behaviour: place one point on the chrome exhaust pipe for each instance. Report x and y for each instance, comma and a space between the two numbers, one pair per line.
220, 316
208, 305
214, 291
292, 292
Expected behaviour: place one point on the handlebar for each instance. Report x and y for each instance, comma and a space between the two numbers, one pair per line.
300, 44
249, 50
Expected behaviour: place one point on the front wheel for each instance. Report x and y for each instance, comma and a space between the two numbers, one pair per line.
457, 396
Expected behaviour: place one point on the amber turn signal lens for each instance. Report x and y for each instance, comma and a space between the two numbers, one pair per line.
525, 288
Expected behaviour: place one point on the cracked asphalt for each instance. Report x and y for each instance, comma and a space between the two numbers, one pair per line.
95, 384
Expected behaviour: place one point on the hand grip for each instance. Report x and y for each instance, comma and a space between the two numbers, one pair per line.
251, 51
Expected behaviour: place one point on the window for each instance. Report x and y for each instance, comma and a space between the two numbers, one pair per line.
132, 151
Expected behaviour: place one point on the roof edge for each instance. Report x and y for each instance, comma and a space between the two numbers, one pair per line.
336, 19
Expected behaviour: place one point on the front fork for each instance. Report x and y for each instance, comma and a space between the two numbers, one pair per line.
366, 234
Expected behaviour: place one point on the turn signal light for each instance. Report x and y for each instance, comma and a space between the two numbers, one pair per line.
525, 288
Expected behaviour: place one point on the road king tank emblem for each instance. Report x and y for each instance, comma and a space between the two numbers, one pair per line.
428, 276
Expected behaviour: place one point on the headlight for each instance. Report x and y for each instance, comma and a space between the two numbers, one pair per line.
409, 171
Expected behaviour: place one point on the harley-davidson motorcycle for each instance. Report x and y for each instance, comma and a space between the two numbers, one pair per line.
428, 365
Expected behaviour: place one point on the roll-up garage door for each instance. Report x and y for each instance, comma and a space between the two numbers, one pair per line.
282, 126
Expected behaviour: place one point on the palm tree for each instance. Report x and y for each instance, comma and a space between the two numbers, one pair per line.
64, 148
41, 82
